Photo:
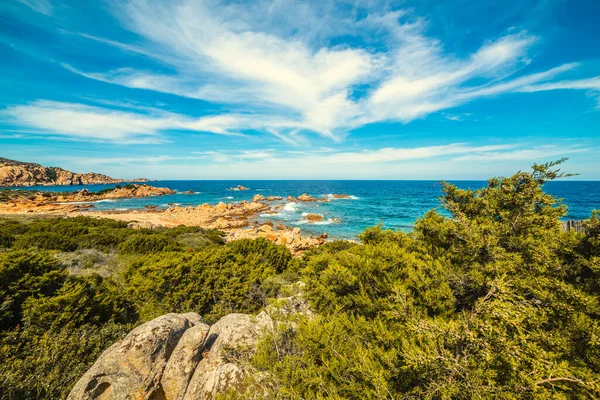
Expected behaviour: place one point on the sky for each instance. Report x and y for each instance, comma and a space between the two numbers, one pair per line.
290, 89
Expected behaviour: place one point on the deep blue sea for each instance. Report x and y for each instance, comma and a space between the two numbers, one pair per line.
394, 204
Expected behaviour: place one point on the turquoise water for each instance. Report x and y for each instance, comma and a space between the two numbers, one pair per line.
394, 204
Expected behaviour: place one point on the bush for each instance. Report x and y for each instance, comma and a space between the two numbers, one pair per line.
6, 240
25, 274
213, 281
38, 364
144, 244
277, 257
12, 227
45, 241
382, 278
81, 300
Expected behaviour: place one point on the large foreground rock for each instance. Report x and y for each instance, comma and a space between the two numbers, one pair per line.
174, 357
133, 368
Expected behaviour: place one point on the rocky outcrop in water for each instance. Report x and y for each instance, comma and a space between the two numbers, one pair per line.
17, 173
260, 197
314, 217
306, 198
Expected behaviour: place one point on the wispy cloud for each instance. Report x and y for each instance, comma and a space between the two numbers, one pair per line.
391, 155
107, 124
297, 81
40, 6
521, 154
456, 117
585, 84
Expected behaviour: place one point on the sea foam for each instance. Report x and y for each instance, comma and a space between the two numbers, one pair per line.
291, 207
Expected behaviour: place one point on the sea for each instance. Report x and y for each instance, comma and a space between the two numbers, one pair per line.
393, 204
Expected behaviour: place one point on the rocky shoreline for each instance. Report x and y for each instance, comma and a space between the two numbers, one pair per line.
237, 220
48, 202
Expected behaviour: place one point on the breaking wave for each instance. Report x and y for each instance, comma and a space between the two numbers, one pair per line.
291, 207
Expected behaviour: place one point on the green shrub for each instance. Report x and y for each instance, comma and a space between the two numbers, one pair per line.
275, 256
81, 300
12, 227
6, 240
38, 364
212, 281
25, 274
382, 278
45, 241
105, 240
144, 244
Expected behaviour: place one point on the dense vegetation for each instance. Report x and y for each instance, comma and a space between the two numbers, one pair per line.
489, 299
494, 301
71, 287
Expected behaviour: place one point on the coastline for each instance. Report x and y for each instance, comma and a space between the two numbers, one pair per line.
395, 205
238, 220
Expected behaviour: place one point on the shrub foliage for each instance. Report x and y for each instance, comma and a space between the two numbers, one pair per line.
488, 300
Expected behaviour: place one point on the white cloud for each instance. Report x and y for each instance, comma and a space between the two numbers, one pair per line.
273, 61
82, 121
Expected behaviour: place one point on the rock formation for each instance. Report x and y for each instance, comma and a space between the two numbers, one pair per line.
133, 368
260, 197
178, 357
16, 173
239, 187
290, 238
48, 202
306, 198
314, 217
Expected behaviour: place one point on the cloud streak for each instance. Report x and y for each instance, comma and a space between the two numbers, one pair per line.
82, 121
391, 155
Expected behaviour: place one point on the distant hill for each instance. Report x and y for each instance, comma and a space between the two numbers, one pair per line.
17, 173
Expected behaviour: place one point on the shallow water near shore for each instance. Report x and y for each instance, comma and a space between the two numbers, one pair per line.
394, 204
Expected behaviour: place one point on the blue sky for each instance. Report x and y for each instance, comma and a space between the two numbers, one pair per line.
301, 90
